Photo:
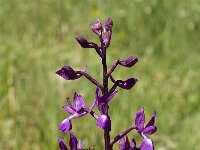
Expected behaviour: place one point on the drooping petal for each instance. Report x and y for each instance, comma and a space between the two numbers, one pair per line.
73, 141
140, 119
146, 144
152, 120
78, 102
65, 125
84, 43
129, 62
67, 73
80, 145
104, 122
61, 143
128, 84
149, 130
97, 28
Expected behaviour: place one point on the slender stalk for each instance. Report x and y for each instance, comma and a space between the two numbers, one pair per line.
121, 135
95, 82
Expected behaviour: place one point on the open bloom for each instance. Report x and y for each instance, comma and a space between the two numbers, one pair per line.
102, 101
73, 143
77, 110
145, 131
68, 73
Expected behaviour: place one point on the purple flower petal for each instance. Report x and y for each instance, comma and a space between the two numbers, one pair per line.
140, 119
61, 143
73, 141
146, 144
152, 120
67, 73
65, 125
97, 28
69, 109
111, 96
149, 130
104, 122
128, 84
78, 102
129, 62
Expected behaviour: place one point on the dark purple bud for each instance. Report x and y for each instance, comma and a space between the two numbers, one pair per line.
97, 28
104, 122
68, 73
61, 143
106, 39
129, 62
108, 24
128, 84
152, 120
85, 44
73, 141
149, 130
140, 119
146, 144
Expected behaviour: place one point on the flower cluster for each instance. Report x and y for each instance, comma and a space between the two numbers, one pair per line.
104, 95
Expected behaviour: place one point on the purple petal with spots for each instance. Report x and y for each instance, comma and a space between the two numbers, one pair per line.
129, 62
78, 102
146, 144
140, 119
104, 122
73, 141
61, 143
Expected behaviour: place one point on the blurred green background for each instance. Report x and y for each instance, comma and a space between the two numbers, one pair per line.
38, 37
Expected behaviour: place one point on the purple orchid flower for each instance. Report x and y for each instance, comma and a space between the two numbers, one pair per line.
74, 144
68, 73
85, 43
77, 110
103, 120
149, 129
